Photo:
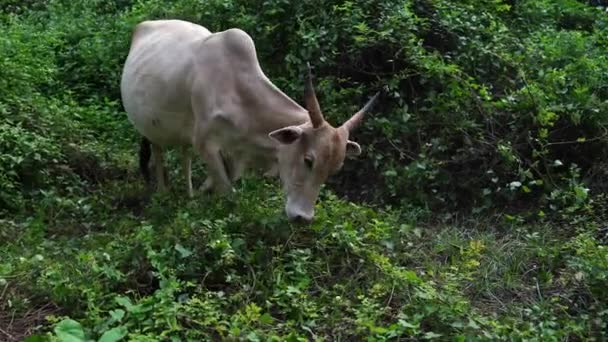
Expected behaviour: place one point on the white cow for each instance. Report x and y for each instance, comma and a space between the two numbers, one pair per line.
185, 86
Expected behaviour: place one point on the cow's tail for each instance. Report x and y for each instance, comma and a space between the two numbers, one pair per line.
145, 152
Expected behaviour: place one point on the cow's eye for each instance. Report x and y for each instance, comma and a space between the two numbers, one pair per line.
308, 161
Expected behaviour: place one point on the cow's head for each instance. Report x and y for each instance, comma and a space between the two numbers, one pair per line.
310, 152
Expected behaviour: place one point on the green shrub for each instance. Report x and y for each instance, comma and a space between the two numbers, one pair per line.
481, 95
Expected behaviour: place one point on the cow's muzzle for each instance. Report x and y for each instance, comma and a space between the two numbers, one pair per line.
298, 215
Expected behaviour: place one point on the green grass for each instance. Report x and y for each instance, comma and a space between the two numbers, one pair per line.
167, 267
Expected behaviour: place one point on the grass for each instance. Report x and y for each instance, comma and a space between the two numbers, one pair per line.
213, 267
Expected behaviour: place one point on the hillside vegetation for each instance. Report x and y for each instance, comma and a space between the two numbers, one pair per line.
477, 210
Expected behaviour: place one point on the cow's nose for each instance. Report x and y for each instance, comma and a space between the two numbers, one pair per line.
302, 219
299, 217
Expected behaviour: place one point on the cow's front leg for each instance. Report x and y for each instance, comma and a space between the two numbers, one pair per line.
238, 167
207, 185
234, 165
187, 169
216, 169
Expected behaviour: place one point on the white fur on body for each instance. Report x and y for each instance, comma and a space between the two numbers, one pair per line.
183, 85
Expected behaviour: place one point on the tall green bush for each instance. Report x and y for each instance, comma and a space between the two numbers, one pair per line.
486, 102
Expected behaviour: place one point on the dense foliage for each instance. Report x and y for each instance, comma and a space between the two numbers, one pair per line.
487, 105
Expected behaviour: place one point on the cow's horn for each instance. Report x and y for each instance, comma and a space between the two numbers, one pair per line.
356, 119
310, 99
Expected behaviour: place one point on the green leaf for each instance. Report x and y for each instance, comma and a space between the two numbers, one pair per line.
411, 276
390, 173
252, 336
114, 334
69, 330
266, 318
378, 330
473, 325
117, 315
184, 252
431, 335
124, 301
35, 338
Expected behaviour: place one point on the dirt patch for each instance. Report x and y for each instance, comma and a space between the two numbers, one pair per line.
135, 203
16, 327
91, 167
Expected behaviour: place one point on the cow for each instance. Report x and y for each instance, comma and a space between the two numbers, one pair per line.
187, 87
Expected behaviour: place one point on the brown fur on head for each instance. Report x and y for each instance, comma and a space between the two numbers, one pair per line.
310, 152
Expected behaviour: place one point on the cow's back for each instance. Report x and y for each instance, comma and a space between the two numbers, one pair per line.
157, 77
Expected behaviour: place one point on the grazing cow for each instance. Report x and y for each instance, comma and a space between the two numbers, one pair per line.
185, 86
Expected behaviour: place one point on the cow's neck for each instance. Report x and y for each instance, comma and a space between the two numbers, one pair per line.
276, 108
272, 109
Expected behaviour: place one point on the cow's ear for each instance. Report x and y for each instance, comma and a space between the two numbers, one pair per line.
352, 149
286, 135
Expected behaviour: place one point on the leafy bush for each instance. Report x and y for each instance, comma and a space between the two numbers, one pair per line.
481, 96
29, 71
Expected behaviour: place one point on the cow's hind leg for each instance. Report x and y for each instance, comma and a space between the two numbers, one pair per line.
159, 169
145, 152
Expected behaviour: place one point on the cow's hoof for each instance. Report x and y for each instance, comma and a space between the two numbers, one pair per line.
207, 186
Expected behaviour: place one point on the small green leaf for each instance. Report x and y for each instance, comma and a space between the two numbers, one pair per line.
457, 325
472, 324
117, 315
390, 173
114, 334
35, 338
253, 337
407, 324
184, 252
411, 276
124, 301
69, 330
266, 319
378, 330
432, 336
